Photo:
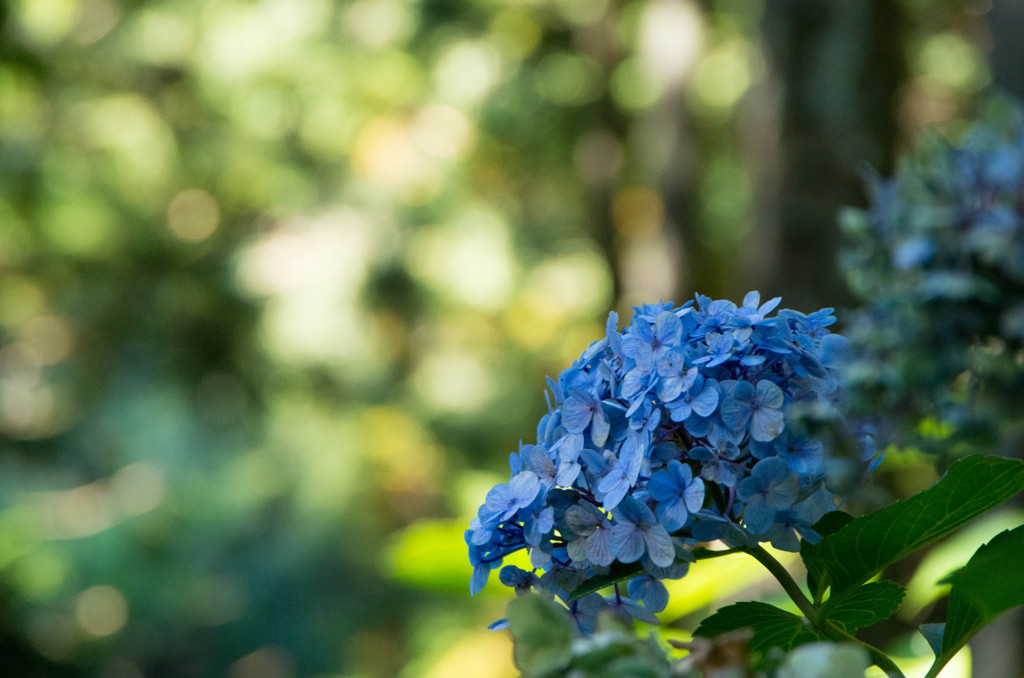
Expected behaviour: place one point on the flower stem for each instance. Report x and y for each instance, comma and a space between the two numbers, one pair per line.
788, 583
813, 614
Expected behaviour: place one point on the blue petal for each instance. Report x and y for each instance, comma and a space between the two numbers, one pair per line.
662, 486
627, 543
576, 415
705, 402
668, 329
600, 426
757, 515
480, 574
766, 424
694, 495
736, 407
599, 548
613, 487
649, 591
672, 514
769, 394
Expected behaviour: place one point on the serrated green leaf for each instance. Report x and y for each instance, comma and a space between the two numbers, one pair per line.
772, 627
867, 545
864, 606
542, 636
988, 585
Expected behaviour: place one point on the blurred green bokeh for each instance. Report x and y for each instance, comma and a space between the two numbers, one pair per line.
280, 281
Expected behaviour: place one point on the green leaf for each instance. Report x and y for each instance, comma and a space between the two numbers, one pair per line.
542, 636
867, 545
864, 606
988, 585
829, 523
772, 627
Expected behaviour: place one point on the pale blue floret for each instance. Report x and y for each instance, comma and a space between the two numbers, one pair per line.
678, 494
770, 488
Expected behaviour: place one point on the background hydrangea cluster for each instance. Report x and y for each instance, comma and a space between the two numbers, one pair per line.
938, 259
679, 429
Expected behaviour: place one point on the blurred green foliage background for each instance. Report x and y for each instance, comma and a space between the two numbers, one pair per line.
280, 281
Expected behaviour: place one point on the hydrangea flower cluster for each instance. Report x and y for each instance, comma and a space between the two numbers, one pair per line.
678, 429
938, 259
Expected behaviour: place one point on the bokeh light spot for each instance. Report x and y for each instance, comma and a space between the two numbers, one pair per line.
101, 610
480, 655
163, 38
634, 86
442, 131
582, 12
45, 22
637, 210
469, 260
266, 662
950, 61
40, 573
193, 215
515, 33
50, 337
138, 488
454, 381
466, 72
96, 18
671, 39
378, 23
723, 75
565, 78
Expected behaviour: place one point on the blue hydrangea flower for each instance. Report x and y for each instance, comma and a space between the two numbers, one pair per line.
668, 432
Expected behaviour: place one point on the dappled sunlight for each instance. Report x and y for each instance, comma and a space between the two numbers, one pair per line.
671, 39
469, 259
481, 655
95, 507
280, 282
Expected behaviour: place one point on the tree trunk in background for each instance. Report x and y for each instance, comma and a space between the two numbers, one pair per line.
839, 66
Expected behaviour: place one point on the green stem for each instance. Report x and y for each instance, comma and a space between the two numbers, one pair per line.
788, 583
813, 614
707, 554
939, 664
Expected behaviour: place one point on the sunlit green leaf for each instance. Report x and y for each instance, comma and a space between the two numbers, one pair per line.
868, 544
